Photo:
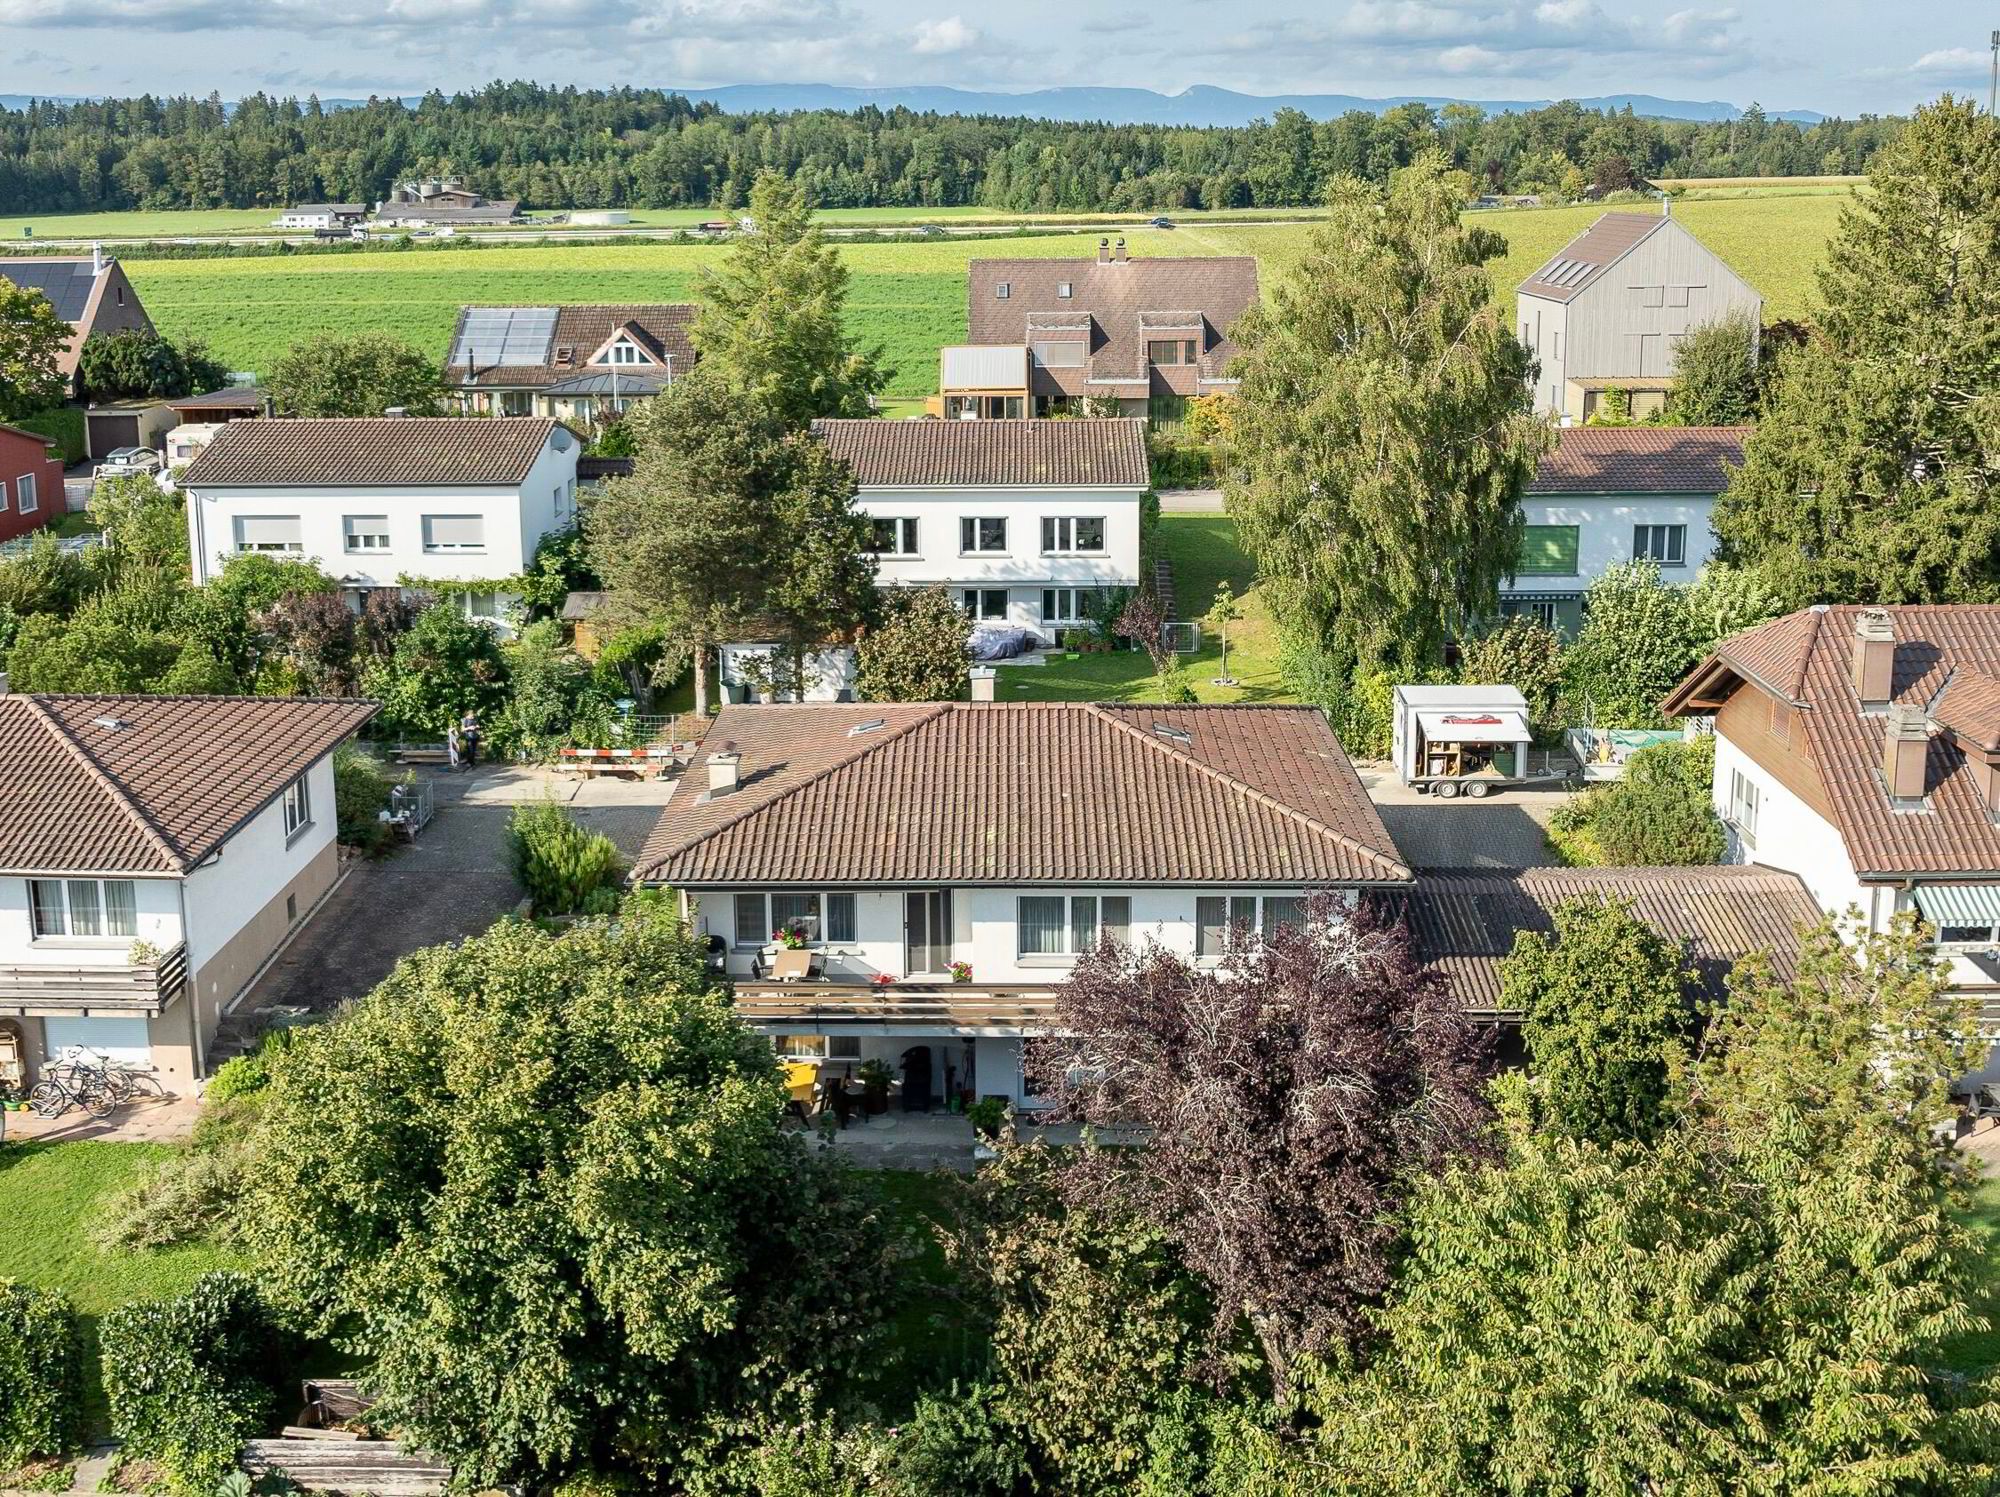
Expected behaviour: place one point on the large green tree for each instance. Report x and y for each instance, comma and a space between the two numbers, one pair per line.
356, 374
918, 653
137, 362
540, 1182
1715, 375
32, 340
1638, 639
1385, 433
1871, 477
771, 319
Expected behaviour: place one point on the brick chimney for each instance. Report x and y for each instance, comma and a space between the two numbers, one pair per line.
1905, 746
983, 677
724, 762
1104, 252
1874, 659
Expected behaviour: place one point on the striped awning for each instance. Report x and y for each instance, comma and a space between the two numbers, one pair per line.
1959, 904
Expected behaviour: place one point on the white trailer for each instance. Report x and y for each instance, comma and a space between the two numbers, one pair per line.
1452, 740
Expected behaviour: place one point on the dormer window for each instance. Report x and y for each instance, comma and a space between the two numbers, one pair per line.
1063, 290
1002, 290
623, 352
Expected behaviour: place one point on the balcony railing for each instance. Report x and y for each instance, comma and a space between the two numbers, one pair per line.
946, 1007
124, 990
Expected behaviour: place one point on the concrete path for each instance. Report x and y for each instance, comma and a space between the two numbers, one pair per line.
1502, 832
1191, 502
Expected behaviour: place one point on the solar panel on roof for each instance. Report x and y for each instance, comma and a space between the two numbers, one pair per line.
504, 335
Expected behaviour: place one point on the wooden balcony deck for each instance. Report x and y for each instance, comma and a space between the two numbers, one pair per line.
121, 991
905, 1007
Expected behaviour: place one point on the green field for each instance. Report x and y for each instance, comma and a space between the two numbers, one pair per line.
910, 297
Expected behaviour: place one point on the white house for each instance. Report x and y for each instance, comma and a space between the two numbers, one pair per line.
1607, 311
1613, 494
1025, 522
902, 839
321, 215
375, 502
154, 853
1859, 748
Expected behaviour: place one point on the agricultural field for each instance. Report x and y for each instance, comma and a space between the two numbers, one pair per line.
909, 297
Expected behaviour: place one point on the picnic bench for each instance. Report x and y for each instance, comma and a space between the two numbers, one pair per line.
643, 763
330, 1449
420, 753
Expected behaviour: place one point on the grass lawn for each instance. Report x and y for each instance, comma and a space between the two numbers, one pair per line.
930, 1335
1204, 551
1981, 1352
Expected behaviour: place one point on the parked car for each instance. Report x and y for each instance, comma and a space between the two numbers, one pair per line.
125, 462
928, 231
1162, 222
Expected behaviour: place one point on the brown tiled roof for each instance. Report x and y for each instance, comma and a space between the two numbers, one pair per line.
583, 329
1024, 793
1109, 450
1464, 922
1641, 460
1117, 297
1970, 707
388, 450
1595, 249
1807, 658
134, 784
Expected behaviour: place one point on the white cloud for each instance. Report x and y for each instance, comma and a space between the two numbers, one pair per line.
1958, 64
941, 38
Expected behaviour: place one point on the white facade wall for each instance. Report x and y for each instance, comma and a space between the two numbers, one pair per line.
159, 919
224, 893
1605, 525
1023, 569
514, 521
1789, 835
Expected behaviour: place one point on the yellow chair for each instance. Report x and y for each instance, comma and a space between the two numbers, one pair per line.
801, 1081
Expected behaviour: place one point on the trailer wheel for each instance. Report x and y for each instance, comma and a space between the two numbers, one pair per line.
1445, 789
1479, 790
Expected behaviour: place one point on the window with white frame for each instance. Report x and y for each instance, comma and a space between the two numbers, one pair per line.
268, 533
1059, 353
1223, 919
298, 806
1743, 799
25, 499
1072, 535
481, 608
84, 907
454, 532
986, 602
982, 534
1065, 926
895, 536
1068, 605
365, 532
1664, 545
818, 1046
623, 352
824, 917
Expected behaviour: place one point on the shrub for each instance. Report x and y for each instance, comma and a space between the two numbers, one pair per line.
360, 791
918, 653
962, 1445
1659, 815
190, 1379
41, 1374
560, 864
194, 1194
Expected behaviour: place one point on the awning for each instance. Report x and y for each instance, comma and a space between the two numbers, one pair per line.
1471, 725
1959, 904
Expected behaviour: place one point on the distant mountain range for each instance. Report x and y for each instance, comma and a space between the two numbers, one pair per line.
1199, 105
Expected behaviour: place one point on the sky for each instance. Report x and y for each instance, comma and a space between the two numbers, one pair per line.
1836, 56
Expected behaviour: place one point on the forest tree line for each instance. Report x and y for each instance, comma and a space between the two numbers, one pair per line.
643, 148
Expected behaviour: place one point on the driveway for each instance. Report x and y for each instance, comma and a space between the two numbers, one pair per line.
1191, 502
1503, 832
453, 882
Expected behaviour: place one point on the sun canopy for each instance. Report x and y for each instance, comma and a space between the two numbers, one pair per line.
1959, 904
1475, 725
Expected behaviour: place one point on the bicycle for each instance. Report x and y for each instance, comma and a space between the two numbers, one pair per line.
70, 1087
81, 1065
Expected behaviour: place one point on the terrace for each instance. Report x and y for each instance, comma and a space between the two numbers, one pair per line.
127, 990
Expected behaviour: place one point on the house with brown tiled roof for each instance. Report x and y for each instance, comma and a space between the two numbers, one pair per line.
996, 841
1609, 308
90, 292
1859, 748
583, 363
1043, 335
1612, 494
154, 853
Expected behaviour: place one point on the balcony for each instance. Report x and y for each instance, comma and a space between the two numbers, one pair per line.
122, 991
904, 1008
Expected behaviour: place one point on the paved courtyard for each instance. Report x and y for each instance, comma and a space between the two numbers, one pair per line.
1502, 832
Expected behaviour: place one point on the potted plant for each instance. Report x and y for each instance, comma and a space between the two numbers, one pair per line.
875, 1078
961, 971
986, 1116
883, 980
791, 937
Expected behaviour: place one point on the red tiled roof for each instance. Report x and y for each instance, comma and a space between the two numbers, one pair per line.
583, 328
1641, 460
1068, 453
150, 785
389, 450
1024, 793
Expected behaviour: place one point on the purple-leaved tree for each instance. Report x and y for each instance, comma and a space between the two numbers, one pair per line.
1288, 1098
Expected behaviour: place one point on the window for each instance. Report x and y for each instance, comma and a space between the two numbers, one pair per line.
1743, 798
1651, 296
982, 533
25, 499
1064, 354
986, 602
481, 607
298, 806
1664, 544
818, 1046
1541, 610
365, 532
894, 537
1548, 551
622, 352
85, 907
268, 533
1067, 605
1218, 917
454, 532
824, 917
1063, 290
1067, 535
1067, 925
1001, 291
1173, 351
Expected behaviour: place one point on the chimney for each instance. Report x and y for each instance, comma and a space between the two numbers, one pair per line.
983, 677
1905, 746
1874, 660
1103, 251
723, 764
1118, 252
96, 260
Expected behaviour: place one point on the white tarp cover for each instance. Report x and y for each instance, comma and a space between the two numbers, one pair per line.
1475, 725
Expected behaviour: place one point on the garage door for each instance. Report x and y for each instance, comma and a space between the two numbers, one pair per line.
120, 1039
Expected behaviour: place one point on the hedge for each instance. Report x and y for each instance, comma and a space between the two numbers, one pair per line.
41, 1374
190, 1379
566, 868
63, 425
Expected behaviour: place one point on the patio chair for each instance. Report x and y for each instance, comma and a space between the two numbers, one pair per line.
801, 1087
1984, 1102
791, 966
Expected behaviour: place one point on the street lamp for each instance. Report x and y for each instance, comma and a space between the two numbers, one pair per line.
1993, 89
